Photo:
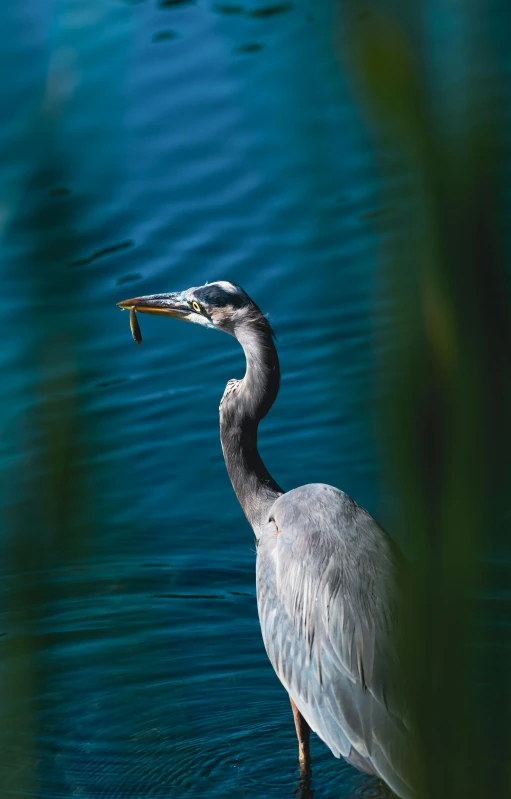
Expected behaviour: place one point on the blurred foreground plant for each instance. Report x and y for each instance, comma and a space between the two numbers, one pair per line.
49, 509
445, 372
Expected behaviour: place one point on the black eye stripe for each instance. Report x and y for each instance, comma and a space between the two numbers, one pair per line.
219, 298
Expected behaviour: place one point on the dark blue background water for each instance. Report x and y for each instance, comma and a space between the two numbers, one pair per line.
195, 141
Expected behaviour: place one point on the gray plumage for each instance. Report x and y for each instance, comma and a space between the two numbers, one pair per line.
327, 576
325, 587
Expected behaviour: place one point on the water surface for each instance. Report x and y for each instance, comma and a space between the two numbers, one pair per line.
148, 147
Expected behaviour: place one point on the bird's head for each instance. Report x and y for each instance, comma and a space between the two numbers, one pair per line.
221, 305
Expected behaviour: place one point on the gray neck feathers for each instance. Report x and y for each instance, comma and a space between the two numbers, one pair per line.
240, 414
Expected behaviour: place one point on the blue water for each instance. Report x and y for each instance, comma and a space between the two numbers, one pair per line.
155, 146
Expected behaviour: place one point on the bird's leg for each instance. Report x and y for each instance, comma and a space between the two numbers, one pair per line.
303, 732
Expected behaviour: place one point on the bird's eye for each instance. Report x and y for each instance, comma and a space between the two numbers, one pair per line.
196, 306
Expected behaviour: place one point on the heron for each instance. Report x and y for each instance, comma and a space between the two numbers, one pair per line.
327, 575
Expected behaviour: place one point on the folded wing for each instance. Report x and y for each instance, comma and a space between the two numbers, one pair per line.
327, 583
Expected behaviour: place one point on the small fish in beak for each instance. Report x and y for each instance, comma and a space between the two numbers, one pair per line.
135, 327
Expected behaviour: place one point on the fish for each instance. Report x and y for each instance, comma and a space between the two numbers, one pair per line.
135, 327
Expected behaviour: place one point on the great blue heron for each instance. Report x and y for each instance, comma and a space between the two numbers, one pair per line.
327, 575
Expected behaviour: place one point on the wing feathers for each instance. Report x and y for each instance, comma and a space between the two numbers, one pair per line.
327, 604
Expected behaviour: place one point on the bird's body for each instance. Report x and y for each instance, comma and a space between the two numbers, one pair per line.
329, 635
327, 575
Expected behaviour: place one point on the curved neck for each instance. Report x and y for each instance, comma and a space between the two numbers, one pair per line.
240, 414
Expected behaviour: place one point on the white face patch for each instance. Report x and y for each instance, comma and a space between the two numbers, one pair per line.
198, 319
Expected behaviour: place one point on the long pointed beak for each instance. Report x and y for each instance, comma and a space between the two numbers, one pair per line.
162, 304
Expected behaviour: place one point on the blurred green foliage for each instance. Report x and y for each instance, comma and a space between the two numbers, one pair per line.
50, 518
446, 430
